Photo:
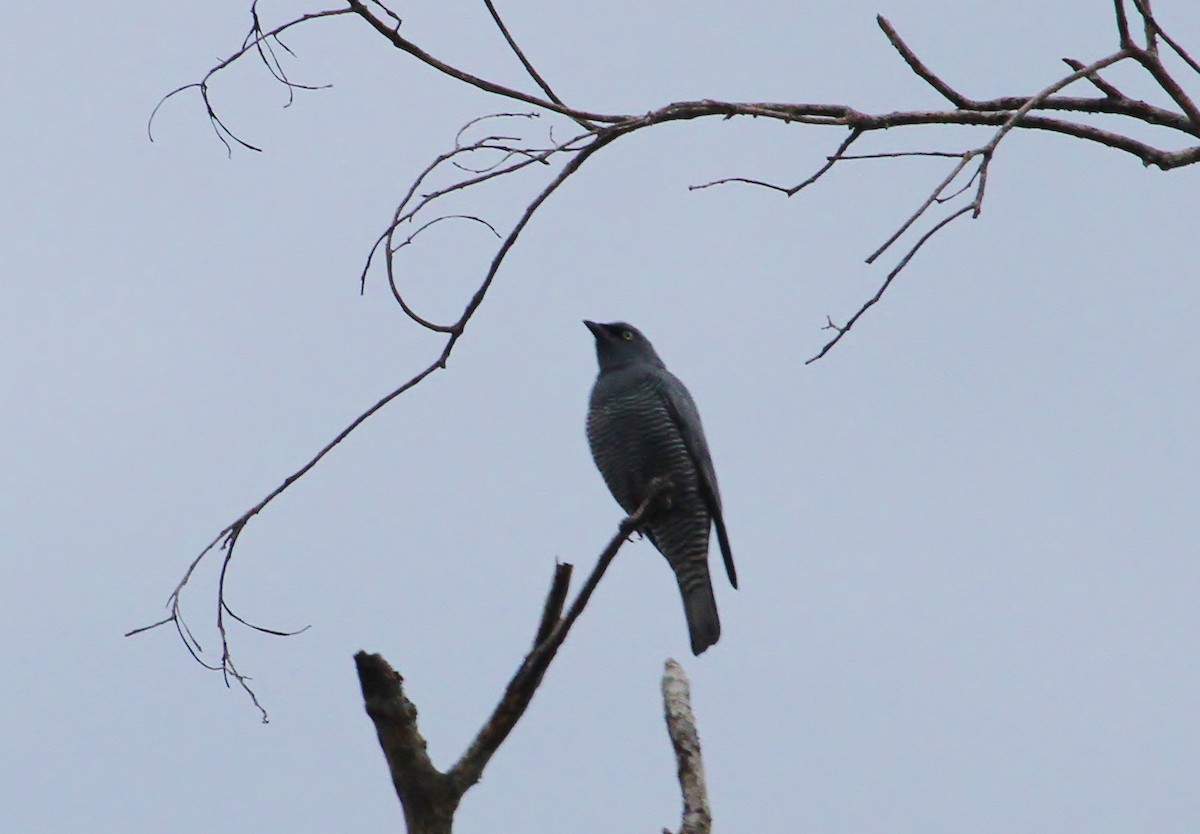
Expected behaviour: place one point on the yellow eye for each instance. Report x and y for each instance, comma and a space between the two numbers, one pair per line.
627, 335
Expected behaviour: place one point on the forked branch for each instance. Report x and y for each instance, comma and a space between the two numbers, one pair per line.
429, 796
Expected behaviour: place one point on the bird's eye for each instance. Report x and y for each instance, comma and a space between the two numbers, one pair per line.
627, 335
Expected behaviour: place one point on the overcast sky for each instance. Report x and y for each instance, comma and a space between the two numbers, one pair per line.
966, 539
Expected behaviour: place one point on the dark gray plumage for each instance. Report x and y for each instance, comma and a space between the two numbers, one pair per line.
642, 423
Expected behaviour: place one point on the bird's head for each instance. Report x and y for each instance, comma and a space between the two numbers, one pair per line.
619, 345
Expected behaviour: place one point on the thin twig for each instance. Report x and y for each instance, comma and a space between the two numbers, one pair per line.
261, 40
965, 158
250, 43
1154, 26
402, 43
902, 154
844, 329
918, 66
791, 191
555, 599
227, 540
529, 68
1103, 86
229, 535
517, 695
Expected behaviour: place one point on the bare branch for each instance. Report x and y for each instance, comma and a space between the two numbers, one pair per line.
985, 154
555, 599
261, 41
227, 541
1149, 30
918, 66
842, 330
529, 68
1100, 84
468, 770
391, 251
933, 197
830, 161
412, 206
1114, 103
1154, 66
1152, 24
228, 537
1122, 25
685, 739
1035, 100
499, 155
902, 154
400, 42
253, 42
430, 797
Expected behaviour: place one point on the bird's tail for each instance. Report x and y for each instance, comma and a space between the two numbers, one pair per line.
700, 608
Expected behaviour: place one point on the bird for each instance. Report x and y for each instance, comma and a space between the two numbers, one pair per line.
643, 424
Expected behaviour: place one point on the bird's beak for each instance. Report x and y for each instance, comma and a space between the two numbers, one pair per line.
595, 328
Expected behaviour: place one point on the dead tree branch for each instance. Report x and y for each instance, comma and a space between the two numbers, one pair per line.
685, 739
428, 800
429, 796
524, 683
506, 155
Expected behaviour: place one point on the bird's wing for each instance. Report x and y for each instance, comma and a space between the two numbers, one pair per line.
686, 417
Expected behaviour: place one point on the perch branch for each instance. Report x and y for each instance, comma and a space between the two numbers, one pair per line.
517, 695
429, 796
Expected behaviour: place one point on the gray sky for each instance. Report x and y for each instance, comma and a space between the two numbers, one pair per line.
966, 539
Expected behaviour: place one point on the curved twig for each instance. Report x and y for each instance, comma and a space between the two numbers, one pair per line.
402, 43
253, 42
529, 68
